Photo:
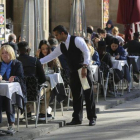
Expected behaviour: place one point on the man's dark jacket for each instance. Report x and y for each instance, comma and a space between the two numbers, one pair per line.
133, 47
32, 66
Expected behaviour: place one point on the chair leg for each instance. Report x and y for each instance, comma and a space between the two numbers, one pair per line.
139, 80
45, 106
106, 85
26, 117
62, 108
98, 92
54, 106
68, 99
37, 112
17, 119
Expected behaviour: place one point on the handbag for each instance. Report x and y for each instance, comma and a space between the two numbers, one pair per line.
104, 67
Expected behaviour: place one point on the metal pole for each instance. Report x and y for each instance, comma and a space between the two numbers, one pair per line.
102, 14
85, 24
82, 17
40, 20
71, 20
35, 21
23, 17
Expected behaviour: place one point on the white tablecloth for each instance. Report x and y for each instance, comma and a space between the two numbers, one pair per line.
118, 64
55, 79
94, 72
136, 58
7, 89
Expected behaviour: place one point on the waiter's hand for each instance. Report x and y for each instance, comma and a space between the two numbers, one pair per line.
11, 79
84, 72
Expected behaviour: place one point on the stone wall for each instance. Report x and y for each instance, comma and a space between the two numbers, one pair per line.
60, 11
113, 8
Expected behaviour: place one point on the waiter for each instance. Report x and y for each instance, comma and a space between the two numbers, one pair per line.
78, 56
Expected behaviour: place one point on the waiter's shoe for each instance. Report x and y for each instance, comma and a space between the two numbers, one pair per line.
92, 122
74, 123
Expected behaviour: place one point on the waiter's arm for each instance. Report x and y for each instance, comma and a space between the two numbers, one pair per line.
80, 43
51, 56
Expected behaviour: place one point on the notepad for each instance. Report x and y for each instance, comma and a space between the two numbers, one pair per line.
84, 81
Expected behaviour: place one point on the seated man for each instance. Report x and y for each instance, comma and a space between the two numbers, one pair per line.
29, 63
12, 42
133, 46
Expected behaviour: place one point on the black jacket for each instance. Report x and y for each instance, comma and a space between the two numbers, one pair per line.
133, 47
106, 58
32, 66
13, 45
17, 70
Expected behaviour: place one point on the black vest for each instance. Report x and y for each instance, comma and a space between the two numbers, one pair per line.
73, 55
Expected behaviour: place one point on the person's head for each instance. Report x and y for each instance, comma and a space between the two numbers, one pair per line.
19, 39
60, 33
102, 33
53, 42
98, 30
7, 54
90, 29
44, 47
115, 31
101, 47
114, 44
136, 35
51, 36
109, 24
12, 38
23, 47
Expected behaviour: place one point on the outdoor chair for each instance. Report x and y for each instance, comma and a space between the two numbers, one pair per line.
34, 95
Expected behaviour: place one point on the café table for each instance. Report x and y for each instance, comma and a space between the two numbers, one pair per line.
57, 87
14, 96
135, 62
122, 69
134, 65
13, 92
122, 66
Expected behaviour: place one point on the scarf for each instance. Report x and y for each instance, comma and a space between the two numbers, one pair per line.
5, 69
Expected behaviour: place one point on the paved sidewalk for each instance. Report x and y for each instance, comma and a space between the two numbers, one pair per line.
32, 132
119, 123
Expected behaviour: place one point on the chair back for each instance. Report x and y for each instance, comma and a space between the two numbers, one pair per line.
32, 88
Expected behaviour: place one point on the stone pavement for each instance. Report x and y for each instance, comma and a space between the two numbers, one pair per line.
119, 123
32, 132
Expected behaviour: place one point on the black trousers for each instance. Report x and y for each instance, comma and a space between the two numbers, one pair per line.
76, 87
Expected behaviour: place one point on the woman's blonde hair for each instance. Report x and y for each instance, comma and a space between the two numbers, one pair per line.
115, 30
10, 51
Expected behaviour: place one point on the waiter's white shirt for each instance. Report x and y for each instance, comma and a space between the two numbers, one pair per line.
79, 42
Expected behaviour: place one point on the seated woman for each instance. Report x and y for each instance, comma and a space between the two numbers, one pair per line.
115, 32
10, 70
43, 50
116, 50
106, 63
94, 54
103, 55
